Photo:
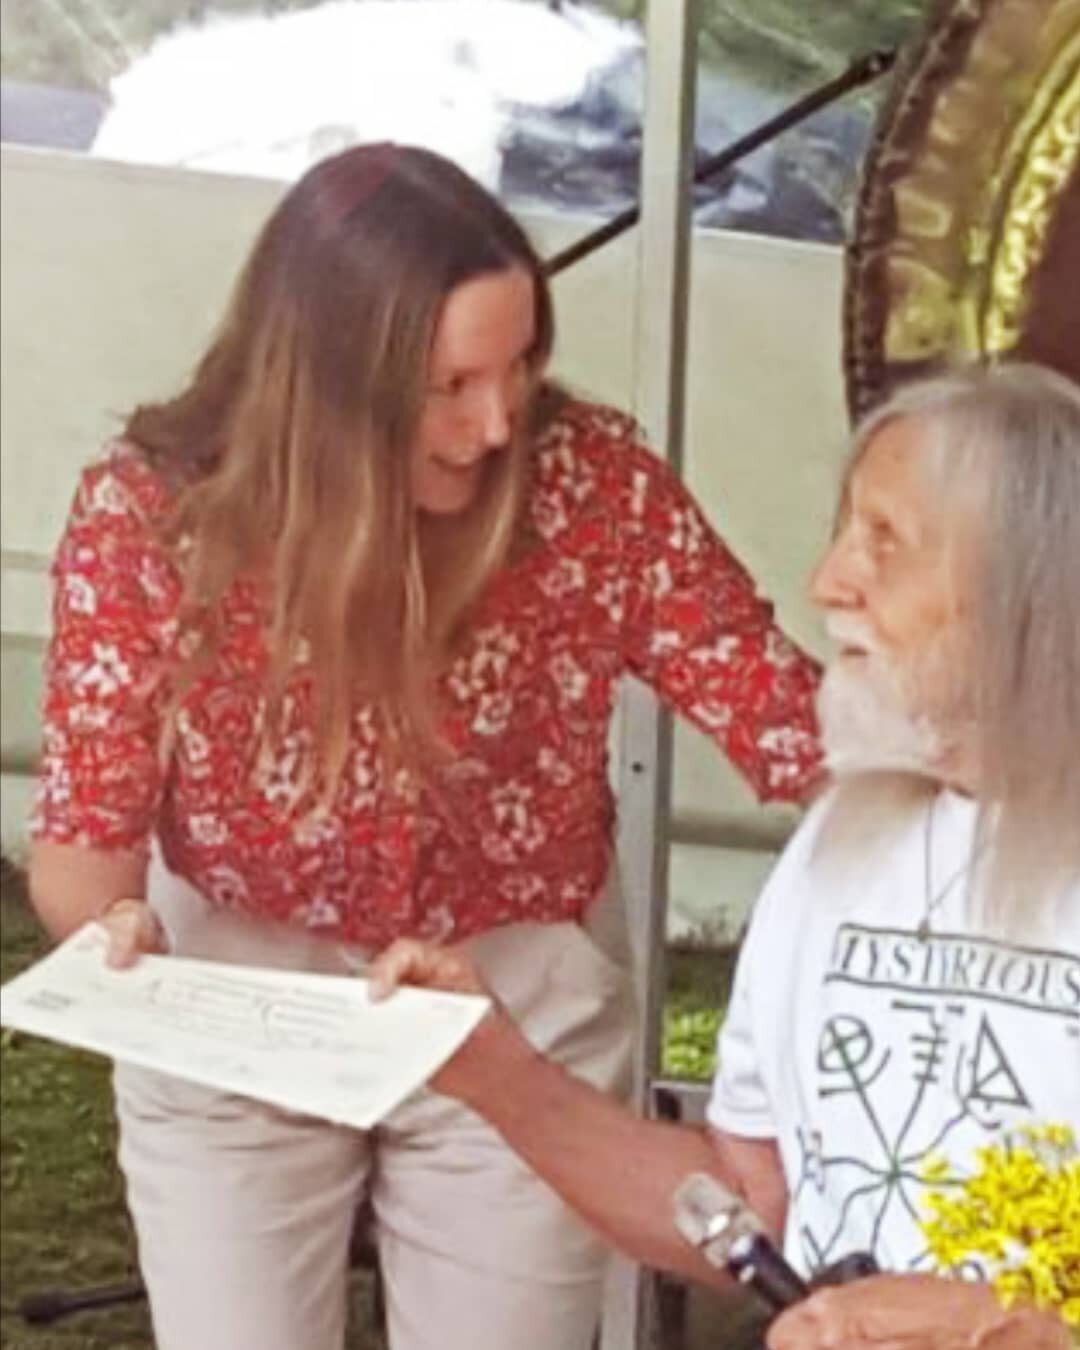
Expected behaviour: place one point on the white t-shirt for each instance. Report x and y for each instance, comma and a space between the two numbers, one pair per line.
862, 1048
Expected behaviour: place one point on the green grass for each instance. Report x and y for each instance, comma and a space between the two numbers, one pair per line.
64, 1221
65, 1225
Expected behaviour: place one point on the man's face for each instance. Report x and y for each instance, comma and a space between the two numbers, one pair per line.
891, 586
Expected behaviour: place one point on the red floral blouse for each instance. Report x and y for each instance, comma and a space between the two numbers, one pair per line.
627, 577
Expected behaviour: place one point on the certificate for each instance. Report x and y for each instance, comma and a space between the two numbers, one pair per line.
314, 1044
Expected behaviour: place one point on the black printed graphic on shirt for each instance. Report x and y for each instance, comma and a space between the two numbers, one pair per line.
925, 1048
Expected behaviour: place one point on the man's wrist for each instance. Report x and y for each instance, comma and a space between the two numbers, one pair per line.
495, 1055
1018, 1327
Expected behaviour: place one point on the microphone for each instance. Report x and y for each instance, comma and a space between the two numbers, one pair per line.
731, 1237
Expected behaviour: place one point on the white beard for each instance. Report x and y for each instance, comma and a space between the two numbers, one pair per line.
879, 716
867, 725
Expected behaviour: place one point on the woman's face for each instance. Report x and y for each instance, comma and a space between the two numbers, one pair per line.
478, 382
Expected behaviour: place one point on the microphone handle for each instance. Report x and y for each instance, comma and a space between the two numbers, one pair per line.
753, 1260
855, 1266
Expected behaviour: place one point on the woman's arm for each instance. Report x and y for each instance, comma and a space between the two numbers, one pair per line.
70, 885
105, 690
697, 632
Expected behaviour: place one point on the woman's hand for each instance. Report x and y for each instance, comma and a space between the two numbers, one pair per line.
913, 1312
133, 929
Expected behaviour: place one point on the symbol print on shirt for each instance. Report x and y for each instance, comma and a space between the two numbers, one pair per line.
991, 1081
920, 1051
850, 1061
846, 1045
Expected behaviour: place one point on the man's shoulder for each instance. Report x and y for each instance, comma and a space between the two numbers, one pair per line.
796, 866
845, 842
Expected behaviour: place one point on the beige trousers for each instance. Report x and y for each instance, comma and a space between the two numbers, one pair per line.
243, 1211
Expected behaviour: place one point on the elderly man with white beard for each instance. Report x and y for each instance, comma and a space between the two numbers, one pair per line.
910, 984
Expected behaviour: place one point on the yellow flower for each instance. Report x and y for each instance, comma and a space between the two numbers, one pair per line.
1018, 1215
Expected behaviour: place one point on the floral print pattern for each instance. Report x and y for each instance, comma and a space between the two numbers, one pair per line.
627, 577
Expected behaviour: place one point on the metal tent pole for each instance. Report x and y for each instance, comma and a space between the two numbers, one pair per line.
644, 772
861, 72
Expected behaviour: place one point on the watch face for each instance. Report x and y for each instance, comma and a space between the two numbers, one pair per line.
966, 239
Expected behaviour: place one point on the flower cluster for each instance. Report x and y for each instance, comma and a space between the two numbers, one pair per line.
1017, 1216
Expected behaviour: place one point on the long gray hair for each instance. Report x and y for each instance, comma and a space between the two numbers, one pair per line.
1008, 439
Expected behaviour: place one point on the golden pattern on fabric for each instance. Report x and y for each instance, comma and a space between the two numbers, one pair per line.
1048, 160
975, 153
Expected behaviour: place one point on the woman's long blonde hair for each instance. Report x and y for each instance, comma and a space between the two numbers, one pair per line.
290, 451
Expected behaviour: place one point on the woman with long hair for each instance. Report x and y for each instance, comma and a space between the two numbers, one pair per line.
337, 636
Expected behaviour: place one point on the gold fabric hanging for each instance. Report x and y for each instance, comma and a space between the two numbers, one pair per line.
966, 239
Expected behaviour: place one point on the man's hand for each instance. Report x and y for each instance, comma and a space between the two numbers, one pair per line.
476, 1063
913, 1312
617, 1170
408, 961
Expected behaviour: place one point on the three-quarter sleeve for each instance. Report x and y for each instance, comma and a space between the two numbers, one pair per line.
697, 631
105, 670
